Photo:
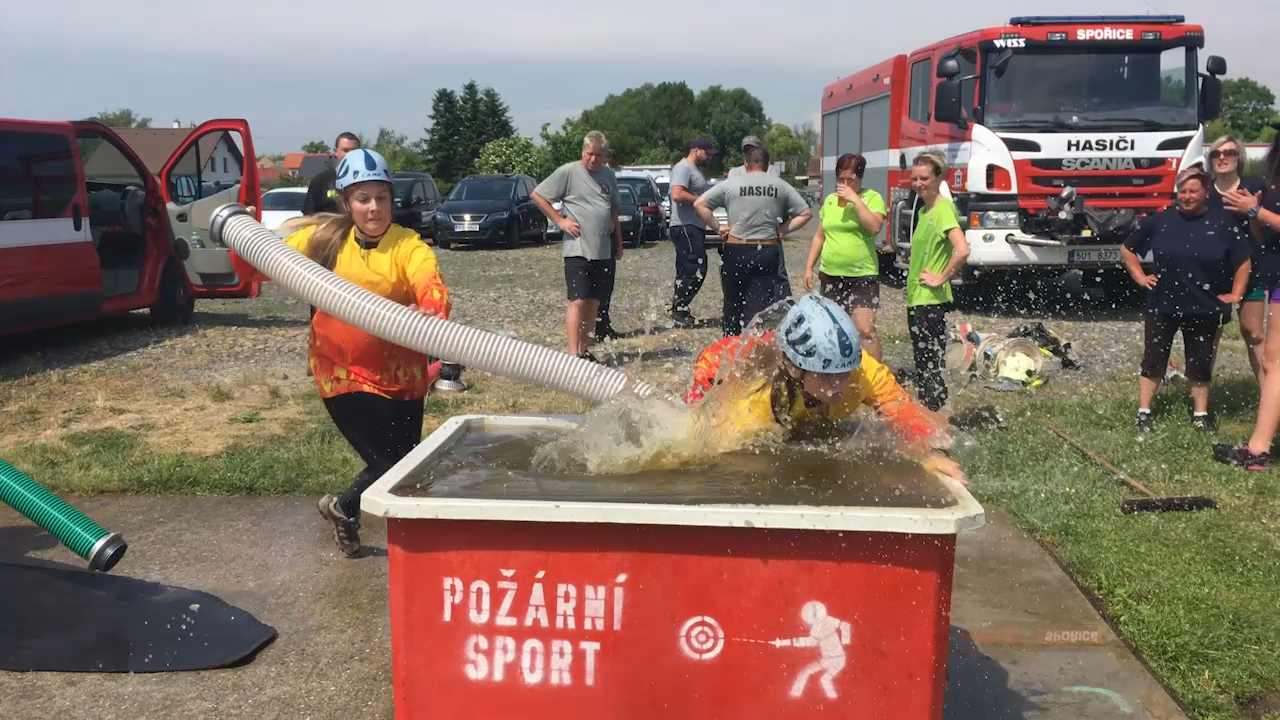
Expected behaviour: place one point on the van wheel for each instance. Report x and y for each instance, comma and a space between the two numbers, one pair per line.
174, 305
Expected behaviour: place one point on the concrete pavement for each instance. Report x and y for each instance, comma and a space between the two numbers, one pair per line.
1025, 642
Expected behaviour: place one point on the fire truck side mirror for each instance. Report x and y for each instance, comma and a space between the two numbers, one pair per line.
1216, 65
1210, 98
948, 68
946, 103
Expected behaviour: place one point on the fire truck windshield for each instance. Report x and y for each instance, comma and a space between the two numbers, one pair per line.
1061, 88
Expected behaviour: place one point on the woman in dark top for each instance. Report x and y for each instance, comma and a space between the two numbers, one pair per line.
1202, 264
1226, 164
1263, 211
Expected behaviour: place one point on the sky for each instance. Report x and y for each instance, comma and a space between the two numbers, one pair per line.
300, 71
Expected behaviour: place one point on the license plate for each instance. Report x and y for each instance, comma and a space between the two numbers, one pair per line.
467, 227
1092, 256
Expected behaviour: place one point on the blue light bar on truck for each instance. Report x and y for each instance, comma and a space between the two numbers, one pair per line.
1097, 19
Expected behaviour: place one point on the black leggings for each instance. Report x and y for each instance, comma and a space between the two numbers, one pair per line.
1197, 339
928, 327
382, 431
689, 242
749, 277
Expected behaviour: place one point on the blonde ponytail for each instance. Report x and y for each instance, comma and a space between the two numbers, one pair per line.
332, 229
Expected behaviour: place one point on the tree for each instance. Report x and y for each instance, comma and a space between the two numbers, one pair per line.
727, 117
121, 118
809, 134
640, 120
461, 124
564, 145
495, 117
444, 137
1248, 107
316, 146
784, 146
514, 155
401, 154
654, 124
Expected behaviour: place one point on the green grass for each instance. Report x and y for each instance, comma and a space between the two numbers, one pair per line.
1197, 594
313, 458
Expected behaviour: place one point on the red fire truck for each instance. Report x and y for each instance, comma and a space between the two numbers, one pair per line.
1060, 132
86, 229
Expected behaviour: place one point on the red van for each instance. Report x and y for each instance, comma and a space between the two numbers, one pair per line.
88, 230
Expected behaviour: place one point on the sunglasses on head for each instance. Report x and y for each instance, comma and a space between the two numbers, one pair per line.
1215, 154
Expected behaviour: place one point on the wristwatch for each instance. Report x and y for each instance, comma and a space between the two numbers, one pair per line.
1253, 212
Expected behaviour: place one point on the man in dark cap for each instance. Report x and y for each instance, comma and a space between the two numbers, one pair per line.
687, 230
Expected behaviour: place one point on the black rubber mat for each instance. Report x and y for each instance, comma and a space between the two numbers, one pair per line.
59, 620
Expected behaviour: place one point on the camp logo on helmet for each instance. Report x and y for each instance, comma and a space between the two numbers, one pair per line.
842, 338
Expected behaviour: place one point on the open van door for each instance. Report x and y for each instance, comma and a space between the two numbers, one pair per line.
213, 166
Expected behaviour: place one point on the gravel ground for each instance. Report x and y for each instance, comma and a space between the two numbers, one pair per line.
521, 290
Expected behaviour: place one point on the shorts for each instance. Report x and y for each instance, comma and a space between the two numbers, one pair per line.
1198, 334
1274, 296
851, 292
589, 279
1256, 293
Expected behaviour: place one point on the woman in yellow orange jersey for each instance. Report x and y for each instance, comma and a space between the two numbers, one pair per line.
373, 389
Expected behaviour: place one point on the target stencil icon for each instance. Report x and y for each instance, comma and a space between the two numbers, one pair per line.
701, 638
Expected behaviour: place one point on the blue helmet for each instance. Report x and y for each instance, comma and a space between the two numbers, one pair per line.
359, 166
818, 336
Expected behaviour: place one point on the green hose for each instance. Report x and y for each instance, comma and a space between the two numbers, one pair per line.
83, 536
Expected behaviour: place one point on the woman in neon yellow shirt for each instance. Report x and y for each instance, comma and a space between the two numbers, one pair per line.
848, 223
938, 251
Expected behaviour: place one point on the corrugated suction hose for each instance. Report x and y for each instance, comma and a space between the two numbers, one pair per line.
235, 228
81, 535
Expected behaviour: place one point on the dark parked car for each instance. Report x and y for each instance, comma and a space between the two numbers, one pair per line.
629, 217
649, 202
417, 199
490, 208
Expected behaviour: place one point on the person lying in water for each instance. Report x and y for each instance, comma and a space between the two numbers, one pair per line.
809, 374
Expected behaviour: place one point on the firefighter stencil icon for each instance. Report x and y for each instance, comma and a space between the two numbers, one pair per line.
702, 639
829, 635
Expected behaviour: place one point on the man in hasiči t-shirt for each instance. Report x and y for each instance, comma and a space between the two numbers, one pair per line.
784, 282
753, 202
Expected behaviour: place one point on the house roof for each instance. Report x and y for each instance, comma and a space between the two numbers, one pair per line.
293, 161
313, 165
154, 146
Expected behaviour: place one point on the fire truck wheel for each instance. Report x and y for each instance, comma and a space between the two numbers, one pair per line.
174, 305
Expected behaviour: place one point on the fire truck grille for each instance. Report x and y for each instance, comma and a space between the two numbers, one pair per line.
1099, 181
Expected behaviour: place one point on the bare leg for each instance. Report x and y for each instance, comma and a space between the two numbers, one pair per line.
1252, 314
1264, 429
1147, 389
865, 320
1199, 396
580, 324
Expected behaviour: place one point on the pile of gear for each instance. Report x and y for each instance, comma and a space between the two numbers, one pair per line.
1015, 362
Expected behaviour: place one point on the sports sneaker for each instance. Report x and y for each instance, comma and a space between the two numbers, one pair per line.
682, 318
346, 531
1241, 456
1145, 423
1204, 423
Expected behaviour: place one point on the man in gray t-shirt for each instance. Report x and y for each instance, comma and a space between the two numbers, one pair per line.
592, 235
784, 282
753, 203
688, 232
